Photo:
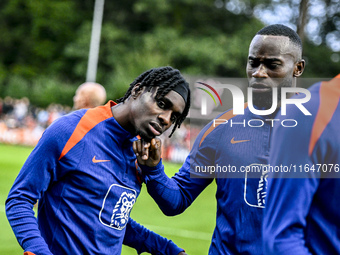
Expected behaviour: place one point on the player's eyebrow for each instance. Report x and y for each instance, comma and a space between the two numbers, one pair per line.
274, 59
268, 58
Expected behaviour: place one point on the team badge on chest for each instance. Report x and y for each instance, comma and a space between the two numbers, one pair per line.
255, 186
117, 206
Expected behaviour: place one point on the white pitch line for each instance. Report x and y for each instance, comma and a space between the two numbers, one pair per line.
181, 232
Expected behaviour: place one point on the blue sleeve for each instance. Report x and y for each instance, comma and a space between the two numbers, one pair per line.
33, 180
174, 195
289, 194
144, 240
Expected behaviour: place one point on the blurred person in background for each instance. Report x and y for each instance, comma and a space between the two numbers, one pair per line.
21, 107
84, 173
8, 106
89, 95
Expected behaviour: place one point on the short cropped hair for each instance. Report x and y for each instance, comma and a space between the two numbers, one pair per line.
165, 78
282, 30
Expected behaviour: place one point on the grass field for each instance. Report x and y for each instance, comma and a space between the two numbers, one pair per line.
191, 230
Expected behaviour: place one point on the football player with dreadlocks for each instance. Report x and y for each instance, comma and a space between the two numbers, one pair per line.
83, 172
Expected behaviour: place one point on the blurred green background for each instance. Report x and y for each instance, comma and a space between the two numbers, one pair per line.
44, 44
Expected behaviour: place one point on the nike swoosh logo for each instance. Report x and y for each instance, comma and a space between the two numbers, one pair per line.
94, 160
238, 141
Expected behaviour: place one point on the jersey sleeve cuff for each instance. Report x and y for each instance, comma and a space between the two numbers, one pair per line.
173, 248
151, 173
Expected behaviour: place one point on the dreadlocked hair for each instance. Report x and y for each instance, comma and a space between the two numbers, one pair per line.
165, 78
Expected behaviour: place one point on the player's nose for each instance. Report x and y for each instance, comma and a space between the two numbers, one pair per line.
165, 117
260, 72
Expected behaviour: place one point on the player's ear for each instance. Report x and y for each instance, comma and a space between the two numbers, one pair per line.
299, 67
136, 90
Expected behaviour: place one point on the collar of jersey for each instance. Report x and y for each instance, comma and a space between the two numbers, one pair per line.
121, 135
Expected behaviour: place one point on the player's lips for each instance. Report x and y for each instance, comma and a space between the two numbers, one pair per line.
155, 128
260, 87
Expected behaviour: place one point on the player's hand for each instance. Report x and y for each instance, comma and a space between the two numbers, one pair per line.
182, 253
148, 153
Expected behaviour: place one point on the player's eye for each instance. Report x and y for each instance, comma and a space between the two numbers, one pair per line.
253, 63
174, 117
273, 65
161, 104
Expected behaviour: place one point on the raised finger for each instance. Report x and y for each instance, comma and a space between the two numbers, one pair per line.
145, 150
137, 147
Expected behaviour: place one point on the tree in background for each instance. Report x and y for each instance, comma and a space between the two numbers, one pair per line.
45, 43
318, 24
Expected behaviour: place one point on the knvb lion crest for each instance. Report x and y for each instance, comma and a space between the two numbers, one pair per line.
117, 206
121, 212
